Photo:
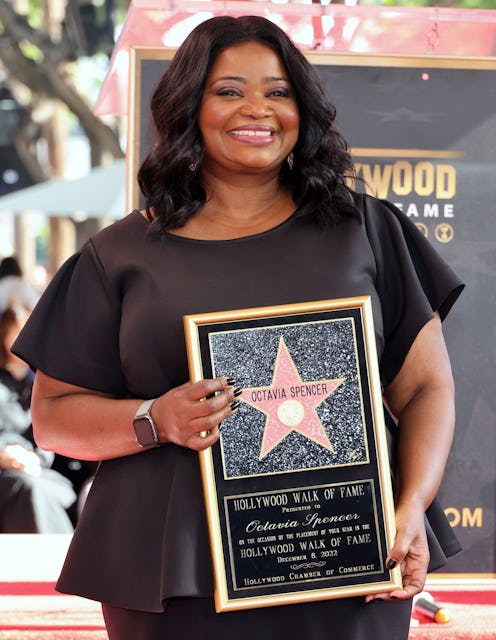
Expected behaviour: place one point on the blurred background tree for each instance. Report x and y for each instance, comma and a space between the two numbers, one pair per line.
44, 50
54, 55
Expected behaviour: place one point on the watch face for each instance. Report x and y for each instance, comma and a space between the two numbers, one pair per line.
145, 432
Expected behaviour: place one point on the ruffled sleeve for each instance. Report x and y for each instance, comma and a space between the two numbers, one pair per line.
413, 280
73, 332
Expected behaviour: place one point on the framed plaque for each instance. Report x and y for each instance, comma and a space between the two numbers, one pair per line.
298, 488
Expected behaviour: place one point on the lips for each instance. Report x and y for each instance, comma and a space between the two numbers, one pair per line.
253, 132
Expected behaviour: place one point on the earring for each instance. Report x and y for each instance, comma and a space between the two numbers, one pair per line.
290, 161
194, 164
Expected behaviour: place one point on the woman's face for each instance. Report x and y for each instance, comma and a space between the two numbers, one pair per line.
248, 116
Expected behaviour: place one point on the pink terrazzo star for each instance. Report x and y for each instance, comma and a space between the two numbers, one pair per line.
289, 403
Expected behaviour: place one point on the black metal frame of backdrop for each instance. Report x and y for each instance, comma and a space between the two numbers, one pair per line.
423, 135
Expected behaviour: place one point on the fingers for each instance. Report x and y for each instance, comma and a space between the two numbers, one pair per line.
413, 583
190, 415
206, 389
217, 404
411, 552
206, 437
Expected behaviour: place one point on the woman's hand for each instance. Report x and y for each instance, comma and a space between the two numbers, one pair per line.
190, 415
85, 424
410, 551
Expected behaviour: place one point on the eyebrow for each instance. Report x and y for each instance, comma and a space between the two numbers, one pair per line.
266, 79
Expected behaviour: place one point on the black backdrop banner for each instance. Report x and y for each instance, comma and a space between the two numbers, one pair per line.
423, 135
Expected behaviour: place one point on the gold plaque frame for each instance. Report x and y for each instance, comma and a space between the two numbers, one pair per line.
298, 489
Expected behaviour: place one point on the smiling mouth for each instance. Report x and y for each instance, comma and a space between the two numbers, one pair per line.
253, 133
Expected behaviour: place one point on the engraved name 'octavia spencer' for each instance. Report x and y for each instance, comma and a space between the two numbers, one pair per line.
289, 403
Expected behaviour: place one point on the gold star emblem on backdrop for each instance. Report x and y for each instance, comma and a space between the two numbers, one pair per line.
290, 404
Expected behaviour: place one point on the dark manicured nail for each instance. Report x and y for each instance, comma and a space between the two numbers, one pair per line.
391, 563
231, 382
237, 392
235, 405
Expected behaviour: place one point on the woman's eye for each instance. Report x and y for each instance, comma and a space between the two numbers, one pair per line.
279, 93
228, 91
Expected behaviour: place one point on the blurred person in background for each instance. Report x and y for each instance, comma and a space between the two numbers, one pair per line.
33, 497
14, 288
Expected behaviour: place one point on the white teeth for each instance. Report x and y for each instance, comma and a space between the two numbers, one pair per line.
251, 132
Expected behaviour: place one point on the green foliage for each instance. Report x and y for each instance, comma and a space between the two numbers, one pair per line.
31, 51
35, 14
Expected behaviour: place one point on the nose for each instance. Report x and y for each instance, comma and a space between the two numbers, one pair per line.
255, 106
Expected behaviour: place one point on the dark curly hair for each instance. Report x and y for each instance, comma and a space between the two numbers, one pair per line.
323, 167
10, 267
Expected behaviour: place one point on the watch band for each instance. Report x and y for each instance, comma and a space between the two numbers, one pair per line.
144, 427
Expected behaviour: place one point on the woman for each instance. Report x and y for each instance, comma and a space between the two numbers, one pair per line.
247, 204
33, 497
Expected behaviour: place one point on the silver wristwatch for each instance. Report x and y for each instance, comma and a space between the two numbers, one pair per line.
144, 427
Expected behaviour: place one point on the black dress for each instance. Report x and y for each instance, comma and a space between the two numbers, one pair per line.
111, 320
